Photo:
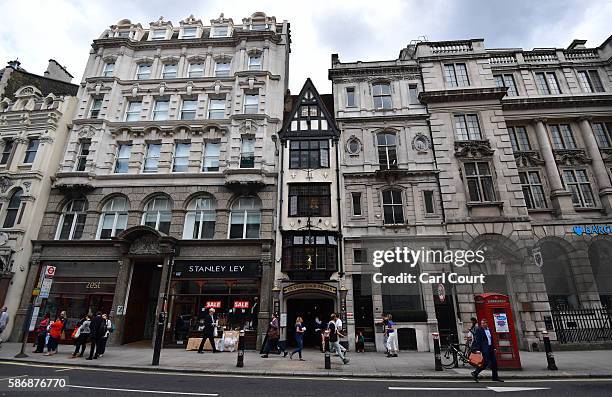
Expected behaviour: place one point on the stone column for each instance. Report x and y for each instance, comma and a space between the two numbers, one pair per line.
560, 198
599, 167
118, 310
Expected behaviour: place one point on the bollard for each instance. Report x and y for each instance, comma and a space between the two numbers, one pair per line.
436, 340
327, 355
240, 359
550, 357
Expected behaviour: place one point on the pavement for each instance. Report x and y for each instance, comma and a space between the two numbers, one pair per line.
409, 365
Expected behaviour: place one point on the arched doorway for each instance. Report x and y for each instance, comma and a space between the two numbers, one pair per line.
309, 306
600, 257
558, 277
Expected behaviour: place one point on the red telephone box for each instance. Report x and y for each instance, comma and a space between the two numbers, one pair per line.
496, 309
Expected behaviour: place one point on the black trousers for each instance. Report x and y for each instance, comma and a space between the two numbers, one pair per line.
94, 350
40, 342
81, 343
102, 346
489, 361
211, 338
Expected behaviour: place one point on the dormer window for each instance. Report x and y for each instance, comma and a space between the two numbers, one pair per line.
170, 71
255, 62
222, 68
144, 71
158, 34
220, 31
124, 33
109, 69
190, 33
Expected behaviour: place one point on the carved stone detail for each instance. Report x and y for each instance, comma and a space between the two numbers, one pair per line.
473, 149
572, 157
421, 143
528, 159
5, 183
145, 245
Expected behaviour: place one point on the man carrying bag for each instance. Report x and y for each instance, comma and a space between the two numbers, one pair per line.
483, 343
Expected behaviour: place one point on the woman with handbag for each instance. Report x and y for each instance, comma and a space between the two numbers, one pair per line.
299, 338
273, 337
81, 334
41, 334
55, 333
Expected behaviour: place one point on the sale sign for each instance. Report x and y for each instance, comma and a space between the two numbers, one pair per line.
241, 304
213, 304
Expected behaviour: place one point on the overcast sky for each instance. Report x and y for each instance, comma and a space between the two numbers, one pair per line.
36, 30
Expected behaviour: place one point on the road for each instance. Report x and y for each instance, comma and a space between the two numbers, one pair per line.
106, 382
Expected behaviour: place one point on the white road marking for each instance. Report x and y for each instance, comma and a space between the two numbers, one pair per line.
64, 369
13, 377
497, 389
145, 391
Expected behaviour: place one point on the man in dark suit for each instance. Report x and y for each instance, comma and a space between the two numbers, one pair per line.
210, 322
483, 342
96, 334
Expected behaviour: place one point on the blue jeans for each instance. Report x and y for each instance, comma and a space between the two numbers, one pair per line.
339, 350
300, 345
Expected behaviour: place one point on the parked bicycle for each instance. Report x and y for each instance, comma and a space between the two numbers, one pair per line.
453, 352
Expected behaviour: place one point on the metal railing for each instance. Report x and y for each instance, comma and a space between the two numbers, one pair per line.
583, 325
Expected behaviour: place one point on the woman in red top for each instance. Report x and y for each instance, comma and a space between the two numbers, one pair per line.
55, 332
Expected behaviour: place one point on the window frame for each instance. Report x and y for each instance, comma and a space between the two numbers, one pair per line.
129, 113
393, 205
512, 88
545, 84
31, 151
214, 110
158, 114
224, 28
304, 198
255, 66
425, 193
116, 214
579, 193
196, 73
351, 98
199, 215
356, 204
311, 157
81, 160
170, 74
122, 159
7, 156
158, 213
468, 125
382, 96
158, 34
519, 138
93, 108
13, 208
590, 81
533, 191
184, 111
247, 161
244, 213
389, 149
206, 157
140, 75
605, 132
75, 220
107, 70
175, 157
223, 72
148, 157
562, 137
479, 178
452, 78
250, 103
189, 28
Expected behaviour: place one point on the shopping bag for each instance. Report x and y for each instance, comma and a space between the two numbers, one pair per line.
476, 359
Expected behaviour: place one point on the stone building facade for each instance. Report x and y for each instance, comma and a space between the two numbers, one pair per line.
165, 196
35, 111
519, 164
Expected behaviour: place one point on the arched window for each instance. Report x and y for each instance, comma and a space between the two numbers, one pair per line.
200, 219
392, 207
387, 150
13, 208
158, 214
72, 220
245, 218
114, 217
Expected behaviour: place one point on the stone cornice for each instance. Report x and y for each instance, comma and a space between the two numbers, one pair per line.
548, 102
365, 72
463, 95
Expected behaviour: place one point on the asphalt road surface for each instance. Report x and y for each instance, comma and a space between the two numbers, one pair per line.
103, 382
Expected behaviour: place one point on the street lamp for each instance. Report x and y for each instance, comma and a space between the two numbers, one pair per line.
276, 296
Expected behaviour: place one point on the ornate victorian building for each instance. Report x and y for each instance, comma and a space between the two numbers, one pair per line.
165, 196
519, 167
34, 115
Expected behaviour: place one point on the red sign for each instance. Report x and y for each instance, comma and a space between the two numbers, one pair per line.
213, 304
50, 271
241, 304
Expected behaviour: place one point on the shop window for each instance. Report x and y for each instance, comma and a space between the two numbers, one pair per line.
245, 218
200, 219
309, 199
310, 252
114, 218
158, 214
12, 209
72, 220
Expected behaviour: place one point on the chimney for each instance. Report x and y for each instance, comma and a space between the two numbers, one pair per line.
57, 72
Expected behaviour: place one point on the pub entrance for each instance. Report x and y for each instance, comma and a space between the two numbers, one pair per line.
142, 302
309, 307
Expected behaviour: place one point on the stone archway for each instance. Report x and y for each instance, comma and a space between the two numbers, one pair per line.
558, 274
600, 257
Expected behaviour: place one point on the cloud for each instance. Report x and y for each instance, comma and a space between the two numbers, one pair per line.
36, 30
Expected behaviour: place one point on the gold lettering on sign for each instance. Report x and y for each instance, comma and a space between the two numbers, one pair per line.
310, 286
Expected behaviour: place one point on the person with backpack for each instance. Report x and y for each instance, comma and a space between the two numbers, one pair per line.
334, 338
81, 334
107, 328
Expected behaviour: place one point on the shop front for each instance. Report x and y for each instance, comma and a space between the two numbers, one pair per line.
231, 287
78, 288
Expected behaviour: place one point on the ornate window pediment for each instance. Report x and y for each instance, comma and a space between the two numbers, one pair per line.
529, 158
571, 157
191, 20
473, 149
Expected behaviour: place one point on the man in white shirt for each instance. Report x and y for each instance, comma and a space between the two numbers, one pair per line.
338, 324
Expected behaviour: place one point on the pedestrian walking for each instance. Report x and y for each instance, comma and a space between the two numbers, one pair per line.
107, 327
360, 342
210, 325
273, 334
41, 334
55, 333
320, 327
334, 338
4, 319
81, 335
392, 345
383, 323
95, 335
299, 338
483, 342
340, 330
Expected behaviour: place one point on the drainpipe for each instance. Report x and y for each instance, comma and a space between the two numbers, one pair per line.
340, 238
